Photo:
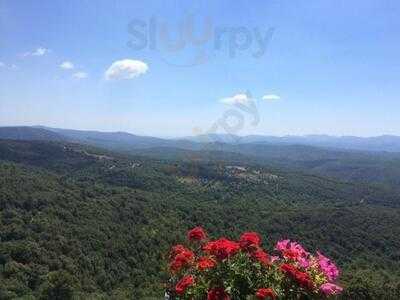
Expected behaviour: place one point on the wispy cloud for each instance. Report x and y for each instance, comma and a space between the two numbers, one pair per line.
80, 75
271, 97
125, 69
67, 65
236, 99
10, 67
41, 51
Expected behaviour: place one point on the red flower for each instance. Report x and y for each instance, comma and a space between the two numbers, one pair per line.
290, 254
261, 256
177, 249
217, 294
266, 293
183, 284
302, 278
288, 269
181, 257
205, 263
196, 234
222, 248
250, 240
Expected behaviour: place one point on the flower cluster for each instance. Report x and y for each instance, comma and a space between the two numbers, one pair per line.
224, 269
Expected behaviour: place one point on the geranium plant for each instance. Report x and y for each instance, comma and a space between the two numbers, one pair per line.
223, 269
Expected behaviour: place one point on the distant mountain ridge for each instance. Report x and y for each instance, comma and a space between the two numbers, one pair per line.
127, 141
29, 133
388, 143
110, 139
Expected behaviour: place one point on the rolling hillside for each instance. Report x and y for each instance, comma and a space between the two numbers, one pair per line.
346, 165
97, 225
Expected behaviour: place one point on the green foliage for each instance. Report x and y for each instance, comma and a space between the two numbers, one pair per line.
89, 227
59, 285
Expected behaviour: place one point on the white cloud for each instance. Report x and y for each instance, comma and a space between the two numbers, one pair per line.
125, 69
10, 67
37, 52
67, 65
236, 99
80, 75
40, 51
271, 97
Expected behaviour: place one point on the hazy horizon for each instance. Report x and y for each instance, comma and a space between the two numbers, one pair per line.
194, 135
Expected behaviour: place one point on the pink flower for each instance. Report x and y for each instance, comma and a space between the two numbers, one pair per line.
304, 262
329, 289
282, 245
274, 258
294, 251
328, 267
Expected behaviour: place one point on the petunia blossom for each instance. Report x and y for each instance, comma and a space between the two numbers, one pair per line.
329, 289
328, 267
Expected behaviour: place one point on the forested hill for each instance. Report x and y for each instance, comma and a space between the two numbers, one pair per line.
80, 222
292, 154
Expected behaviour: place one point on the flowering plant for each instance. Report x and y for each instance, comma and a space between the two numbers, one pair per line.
223, 269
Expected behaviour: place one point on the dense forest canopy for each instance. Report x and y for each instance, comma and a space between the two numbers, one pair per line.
77, 221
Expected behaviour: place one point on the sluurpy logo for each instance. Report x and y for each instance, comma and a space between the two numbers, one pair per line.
233, 120
225, 130
202, 39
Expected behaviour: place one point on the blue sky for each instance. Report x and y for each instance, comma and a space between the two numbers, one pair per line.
329, 67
